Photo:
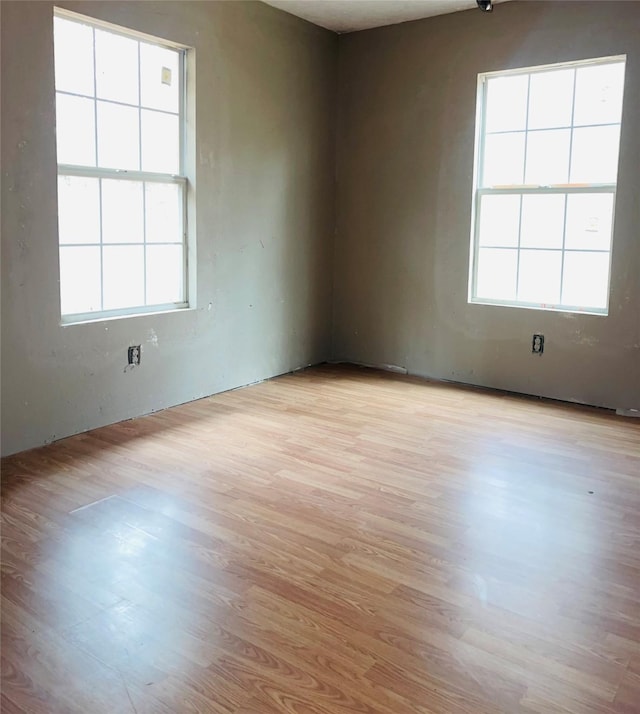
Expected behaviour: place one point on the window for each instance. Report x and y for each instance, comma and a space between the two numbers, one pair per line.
121, 183
546, 166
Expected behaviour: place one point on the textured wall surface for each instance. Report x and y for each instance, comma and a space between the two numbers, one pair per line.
405, 161
269, 273
264, 173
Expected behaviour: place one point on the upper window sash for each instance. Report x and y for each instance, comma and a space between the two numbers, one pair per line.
156, 103
518, 126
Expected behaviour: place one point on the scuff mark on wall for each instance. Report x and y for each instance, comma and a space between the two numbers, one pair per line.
588, 340
635, 413
206, 159
578, 338
152, 338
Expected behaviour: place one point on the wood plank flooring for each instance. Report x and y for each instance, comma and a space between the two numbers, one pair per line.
336, 540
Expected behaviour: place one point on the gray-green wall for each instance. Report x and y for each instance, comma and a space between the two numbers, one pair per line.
276, 289
405, 161
265, 221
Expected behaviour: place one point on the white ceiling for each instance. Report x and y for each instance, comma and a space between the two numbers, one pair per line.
350, 15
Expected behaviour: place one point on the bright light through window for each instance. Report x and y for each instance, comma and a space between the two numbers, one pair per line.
121, 183
547, 162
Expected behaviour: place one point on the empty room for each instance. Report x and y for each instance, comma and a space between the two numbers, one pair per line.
320, 357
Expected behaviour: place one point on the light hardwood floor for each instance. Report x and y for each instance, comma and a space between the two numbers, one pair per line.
336, 540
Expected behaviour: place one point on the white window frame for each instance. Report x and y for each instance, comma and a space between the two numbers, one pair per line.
523, 190
97, 172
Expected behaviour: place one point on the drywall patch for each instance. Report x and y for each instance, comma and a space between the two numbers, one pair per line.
152, 338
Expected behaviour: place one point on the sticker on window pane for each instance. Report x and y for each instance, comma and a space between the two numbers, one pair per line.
122, 212
160, 142
78, 210
75, 130
79, 279
506, 108
118, 137
164, 274
599, 90
589, 221
503, 159
550, 99
159, 74
542, 221
539, 276
594, 155
163, 206
548, 157
499, 220
123, 276
116, 67
586, 280
73, 43
496, 278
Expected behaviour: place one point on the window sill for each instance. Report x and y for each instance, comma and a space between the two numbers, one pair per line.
541, 307
89, 320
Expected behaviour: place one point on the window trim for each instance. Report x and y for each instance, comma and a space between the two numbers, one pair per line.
527, 189
181, 179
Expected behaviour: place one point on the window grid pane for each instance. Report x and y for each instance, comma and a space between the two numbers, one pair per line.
109, 226
85, 230
551, 224
548, 159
